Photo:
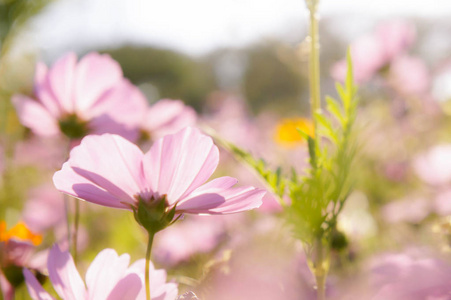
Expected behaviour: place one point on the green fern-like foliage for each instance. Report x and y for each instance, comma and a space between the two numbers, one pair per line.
317, 197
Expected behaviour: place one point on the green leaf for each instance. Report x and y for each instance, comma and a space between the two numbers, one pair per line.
312, 152
335, 110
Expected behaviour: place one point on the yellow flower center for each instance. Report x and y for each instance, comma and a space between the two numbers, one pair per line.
287, 134
19, 232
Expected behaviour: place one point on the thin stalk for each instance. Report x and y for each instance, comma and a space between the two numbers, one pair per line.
314, 70
75, 237
66, 211
320, 271
319, 260
147, 276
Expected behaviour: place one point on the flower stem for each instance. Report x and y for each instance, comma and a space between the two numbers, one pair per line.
66, 211
75, 237
320, 259
320, 271
147, 275
314, 70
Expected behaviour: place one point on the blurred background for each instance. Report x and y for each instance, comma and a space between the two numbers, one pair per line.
242, 65
186, 50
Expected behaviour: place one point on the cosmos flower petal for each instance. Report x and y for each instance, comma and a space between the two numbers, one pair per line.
34, 287
94, 75
178, 164
207, 196
64, 275
108, 162
69, 182
44, 92
159, 289
104, 273
168, 116
111, 114
127, 288
218, 197
34, 116
61, 77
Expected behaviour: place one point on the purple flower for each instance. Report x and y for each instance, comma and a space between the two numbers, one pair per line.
108, 277
109, 170
76, 99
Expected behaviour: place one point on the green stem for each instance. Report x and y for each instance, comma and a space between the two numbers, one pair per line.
320, 269
147, 275
66, 211
314, 70
75, 237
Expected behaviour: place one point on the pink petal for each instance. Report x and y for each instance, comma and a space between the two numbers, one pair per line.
64, 275
34, 287
34, 116
69, 182
119, 111
61, 77
167, 117
207, 196
44, 92
94, 75
159, 289
396, 37
217, 197
103, 166
178, 164
105, 272
128, 287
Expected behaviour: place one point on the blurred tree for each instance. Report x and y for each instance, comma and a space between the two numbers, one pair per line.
273, 79
14, 14
175, 75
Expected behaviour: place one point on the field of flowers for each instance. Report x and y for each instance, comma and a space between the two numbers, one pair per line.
318, 170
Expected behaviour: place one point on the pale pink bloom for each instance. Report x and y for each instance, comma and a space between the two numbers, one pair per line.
191, 236
368, 57
373, 51
442, 203
229, 116
45, 153
441, 86
396, 37
404, 277
412, 210
434, 166
7, 289
44, 209
109, 170
159, 289
90, 96
167, 117
410, 76
108, 277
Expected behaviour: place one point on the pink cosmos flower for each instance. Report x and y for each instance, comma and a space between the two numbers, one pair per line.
410, 76
434, 166
167, 117
44, 209
110, 171
401, 276
371, 52
76, 99
198, 234
396, 36
367, 58
108, 277
412, 209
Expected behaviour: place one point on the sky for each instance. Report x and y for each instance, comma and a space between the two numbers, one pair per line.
199, 26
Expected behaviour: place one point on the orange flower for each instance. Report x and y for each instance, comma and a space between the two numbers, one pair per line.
286, 131
19, 232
